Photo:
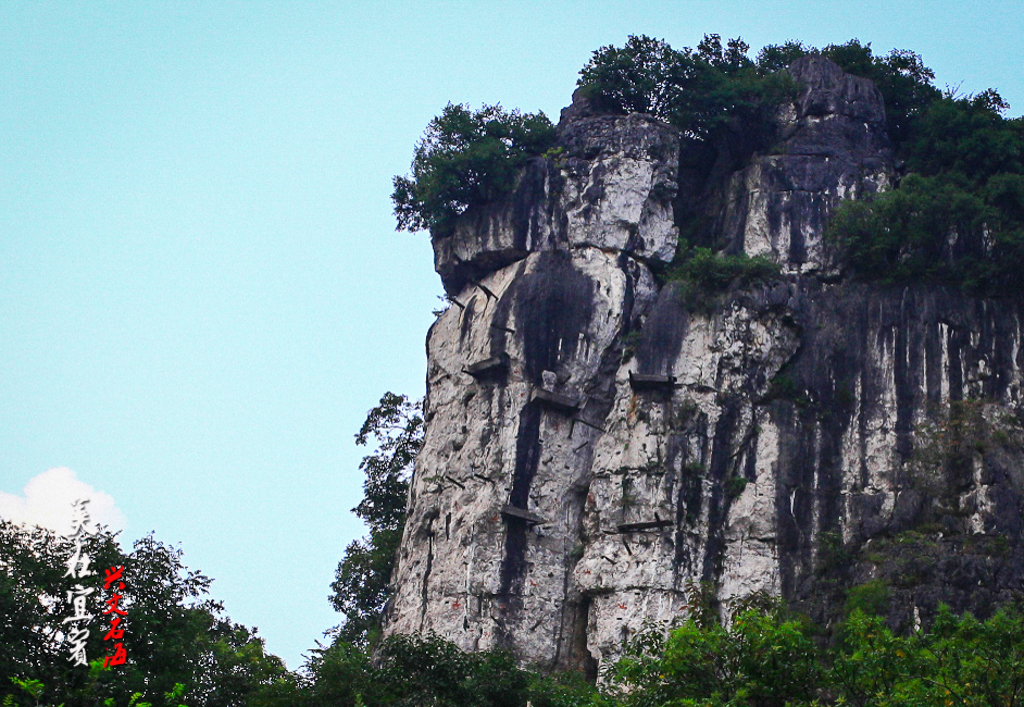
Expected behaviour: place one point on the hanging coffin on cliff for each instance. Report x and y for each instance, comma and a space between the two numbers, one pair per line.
522, 514
645, 381
644, 526
556, 401
489, 368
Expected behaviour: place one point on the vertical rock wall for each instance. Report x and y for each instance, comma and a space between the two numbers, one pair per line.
596, 441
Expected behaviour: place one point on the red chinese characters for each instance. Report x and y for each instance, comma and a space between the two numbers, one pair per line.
114, 575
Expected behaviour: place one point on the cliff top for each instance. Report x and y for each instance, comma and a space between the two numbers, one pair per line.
935, 208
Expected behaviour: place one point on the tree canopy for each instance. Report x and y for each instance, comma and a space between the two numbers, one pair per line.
957, 216
705, 92
360, 588
466, 158
174, 634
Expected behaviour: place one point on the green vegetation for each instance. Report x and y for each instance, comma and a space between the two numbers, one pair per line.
711, 89
707, 93
956, 215
176, 638
766, 657
871, 598
714, 272
410, 671
702, 275
360, 588
466, 158
761, 658
735, 485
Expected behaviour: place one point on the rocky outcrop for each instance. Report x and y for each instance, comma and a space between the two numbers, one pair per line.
610, 186
597, 440
832, 146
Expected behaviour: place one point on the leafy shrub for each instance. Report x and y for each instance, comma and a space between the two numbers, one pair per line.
703, 92
937, 229
735, 486
716, 272
929, 228
871, 598
702, 275
466, 158
761, 658
415, 670
959, 661
776, 57
766, 658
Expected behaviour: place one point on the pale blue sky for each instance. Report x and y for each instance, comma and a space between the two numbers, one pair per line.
201, 289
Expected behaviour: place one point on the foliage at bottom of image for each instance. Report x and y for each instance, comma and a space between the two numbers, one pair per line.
181, 649
766, 657
412, 670
762, 658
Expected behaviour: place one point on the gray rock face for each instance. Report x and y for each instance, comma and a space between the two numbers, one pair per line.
832, 146
596, 442
611, 187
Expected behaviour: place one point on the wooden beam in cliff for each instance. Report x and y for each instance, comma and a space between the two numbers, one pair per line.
489, 368
556, 401
645, 526
644, 381
522, 514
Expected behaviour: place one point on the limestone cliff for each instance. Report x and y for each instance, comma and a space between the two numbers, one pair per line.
595, 442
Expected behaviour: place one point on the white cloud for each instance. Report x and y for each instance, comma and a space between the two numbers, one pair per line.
48, 498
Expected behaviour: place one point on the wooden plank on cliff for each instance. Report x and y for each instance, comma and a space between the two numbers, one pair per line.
522, 514
556, 401
644, 527
493, 367
644, 381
